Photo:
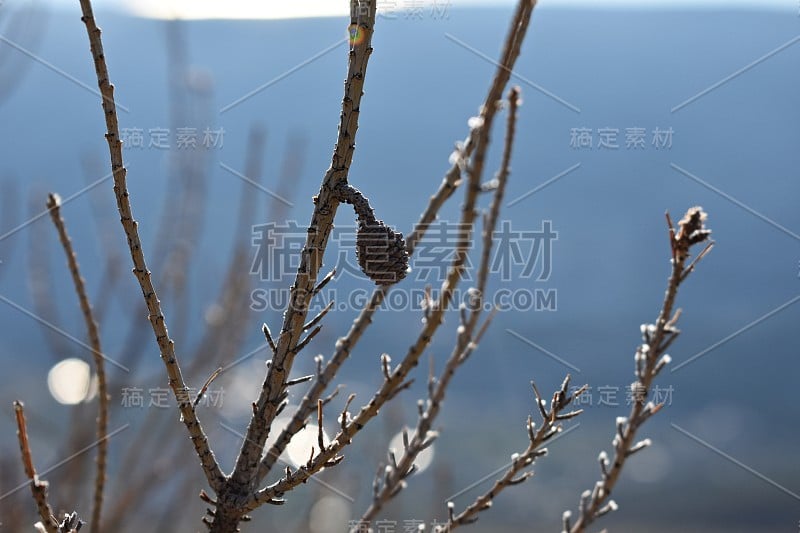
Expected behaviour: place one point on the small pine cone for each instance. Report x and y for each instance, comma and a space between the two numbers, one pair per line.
381, 253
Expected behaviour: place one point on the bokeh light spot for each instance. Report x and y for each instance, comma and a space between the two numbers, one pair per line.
424, 459
69, 381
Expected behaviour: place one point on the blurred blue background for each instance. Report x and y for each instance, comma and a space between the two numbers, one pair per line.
721, 85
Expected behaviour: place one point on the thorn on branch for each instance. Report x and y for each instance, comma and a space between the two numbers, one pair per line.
298, 381
429, 440
664, 361
403, 386
642, 444
604, 463
540, 403
621, 422
335, 461
607, 508
565, 520
205, 386
332, 395
311, 323
302, 344
206, 498
521, 479
268, 335
324, 281
320, 434
688, 270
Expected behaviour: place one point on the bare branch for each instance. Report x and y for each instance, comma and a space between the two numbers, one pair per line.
211, 469
394, 480
54, 205
311, 323
38, 487
649, 360
515, 473
490, 221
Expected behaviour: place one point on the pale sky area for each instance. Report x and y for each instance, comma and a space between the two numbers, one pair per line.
277, 9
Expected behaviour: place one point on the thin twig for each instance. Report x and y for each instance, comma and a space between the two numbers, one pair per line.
54, 205
207, 384
511, 50
491, 219
650, 359
38, 487
324, 378
211, 468
423, 436
515, 473
313, 322
465, 343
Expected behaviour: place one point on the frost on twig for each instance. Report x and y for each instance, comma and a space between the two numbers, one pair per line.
396, 473
516, 473
650, 358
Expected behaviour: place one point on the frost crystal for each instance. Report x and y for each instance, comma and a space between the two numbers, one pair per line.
475, 122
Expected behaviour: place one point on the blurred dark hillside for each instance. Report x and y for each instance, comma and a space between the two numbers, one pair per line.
626, 114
